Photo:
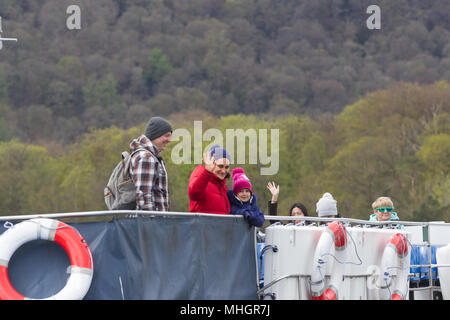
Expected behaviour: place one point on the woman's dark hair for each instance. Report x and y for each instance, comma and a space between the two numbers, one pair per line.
301, 207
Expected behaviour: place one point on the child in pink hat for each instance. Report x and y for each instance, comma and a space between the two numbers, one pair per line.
242, 199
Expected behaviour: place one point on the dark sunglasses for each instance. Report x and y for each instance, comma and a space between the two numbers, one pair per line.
383, 209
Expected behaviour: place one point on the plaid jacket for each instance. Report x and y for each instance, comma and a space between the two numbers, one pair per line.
149, 175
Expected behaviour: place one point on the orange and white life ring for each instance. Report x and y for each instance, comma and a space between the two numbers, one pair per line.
396, 256
81, 270
334, 235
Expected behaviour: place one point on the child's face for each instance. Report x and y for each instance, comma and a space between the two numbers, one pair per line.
244, 195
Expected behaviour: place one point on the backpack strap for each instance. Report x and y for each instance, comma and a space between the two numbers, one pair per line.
126, 166
135, 151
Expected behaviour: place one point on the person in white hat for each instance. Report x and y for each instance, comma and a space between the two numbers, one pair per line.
326, 207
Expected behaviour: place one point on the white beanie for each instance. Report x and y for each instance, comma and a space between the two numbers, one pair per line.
326, 206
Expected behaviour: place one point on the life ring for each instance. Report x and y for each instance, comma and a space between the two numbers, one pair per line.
335, 234
395, 257
81, 270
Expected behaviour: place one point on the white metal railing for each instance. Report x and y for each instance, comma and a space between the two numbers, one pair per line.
87, 214
172, 213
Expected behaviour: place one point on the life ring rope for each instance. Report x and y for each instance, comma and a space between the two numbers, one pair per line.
396, 256
81, 269
334, 235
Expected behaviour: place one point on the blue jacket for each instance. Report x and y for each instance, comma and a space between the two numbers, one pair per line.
249, 209
394, 216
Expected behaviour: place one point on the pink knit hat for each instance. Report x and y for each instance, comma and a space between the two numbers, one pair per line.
240, 181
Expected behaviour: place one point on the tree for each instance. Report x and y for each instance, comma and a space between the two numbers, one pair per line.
34, 123
191, 98
4, 135
158, 66
26, 172
328, 95
62, 98
100, 93
3, 86
434, 154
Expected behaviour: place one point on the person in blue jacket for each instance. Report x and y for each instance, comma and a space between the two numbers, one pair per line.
242, 199
383, 210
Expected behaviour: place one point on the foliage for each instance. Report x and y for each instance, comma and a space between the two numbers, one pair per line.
393, 142
361, 113
222, 56
159, 66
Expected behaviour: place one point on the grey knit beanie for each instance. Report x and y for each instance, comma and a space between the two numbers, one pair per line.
219, 152
156, 127
326, 206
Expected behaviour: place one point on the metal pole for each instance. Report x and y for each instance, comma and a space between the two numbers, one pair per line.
170, 213
430, 270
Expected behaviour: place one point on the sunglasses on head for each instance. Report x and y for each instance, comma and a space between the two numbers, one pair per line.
383, 209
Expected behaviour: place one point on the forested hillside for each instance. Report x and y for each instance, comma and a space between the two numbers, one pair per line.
135, 58
393, 142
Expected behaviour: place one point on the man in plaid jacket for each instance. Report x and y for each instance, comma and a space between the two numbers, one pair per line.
147, 168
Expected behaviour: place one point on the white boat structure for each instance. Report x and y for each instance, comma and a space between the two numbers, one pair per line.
175, 255
374, 260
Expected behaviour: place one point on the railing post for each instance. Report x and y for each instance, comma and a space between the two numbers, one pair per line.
430, 270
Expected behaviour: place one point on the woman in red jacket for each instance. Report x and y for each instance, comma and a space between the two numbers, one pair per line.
207, 184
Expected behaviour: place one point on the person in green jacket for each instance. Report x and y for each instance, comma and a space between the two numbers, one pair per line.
383, 210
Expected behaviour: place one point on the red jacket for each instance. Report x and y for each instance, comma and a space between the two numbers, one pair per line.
207, 193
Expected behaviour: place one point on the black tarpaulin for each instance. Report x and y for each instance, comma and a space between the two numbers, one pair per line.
160, 257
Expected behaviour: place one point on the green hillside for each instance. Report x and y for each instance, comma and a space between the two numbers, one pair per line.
135, 58
393, 142
360, 113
